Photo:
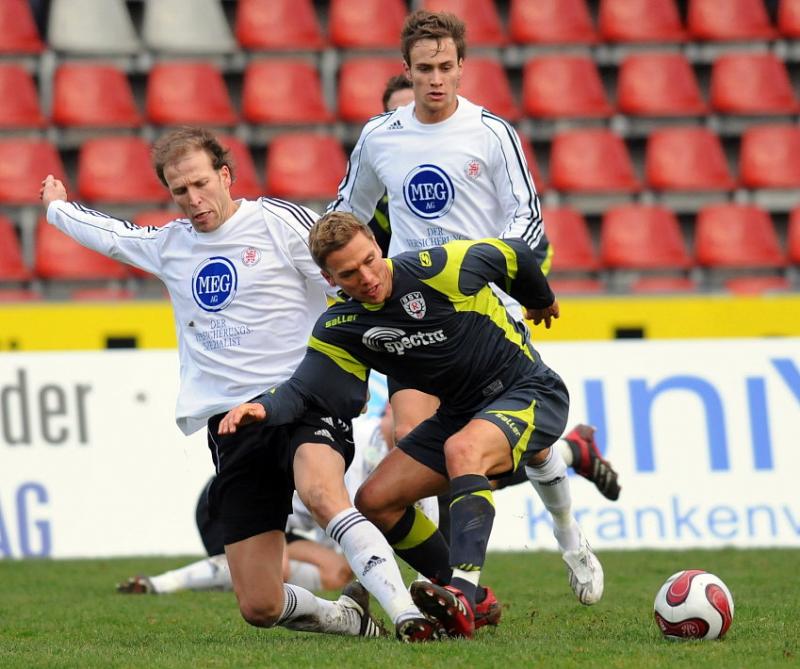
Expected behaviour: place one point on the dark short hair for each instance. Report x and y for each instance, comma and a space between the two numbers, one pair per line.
423, 24
332, 232
399, 82
176, 143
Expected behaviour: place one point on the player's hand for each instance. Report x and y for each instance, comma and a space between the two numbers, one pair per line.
244, 414
52, 189
545, 315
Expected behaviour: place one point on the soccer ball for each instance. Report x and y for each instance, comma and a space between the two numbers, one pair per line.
693, 604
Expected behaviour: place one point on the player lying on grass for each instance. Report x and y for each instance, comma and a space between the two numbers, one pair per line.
431, 320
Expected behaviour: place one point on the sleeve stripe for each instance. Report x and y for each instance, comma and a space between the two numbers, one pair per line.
111, 231
533, 232
365, 133
341, 357
296, 211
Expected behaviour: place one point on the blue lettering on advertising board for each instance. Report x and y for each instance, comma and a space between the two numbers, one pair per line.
34, 534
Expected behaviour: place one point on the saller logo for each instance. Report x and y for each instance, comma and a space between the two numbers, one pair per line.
428, 191
397, 341
214, 283
414, 304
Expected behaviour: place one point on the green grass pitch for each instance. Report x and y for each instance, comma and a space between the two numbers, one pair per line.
67, 614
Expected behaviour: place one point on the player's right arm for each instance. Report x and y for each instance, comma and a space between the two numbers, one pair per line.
328, 378
100, 232
361, 188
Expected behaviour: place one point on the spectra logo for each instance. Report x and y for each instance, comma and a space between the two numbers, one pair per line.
428, 191
394, 340
214, 284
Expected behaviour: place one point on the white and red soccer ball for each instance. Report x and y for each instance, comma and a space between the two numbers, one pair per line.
693, 604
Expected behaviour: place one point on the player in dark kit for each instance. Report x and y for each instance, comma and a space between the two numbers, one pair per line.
431, 320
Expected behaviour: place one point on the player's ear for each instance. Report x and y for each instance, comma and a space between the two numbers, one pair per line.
225, 173
407, 70
328, 278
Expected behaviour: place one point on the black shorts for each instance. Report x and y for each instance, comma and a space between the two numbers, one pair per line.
252, 492
532, 414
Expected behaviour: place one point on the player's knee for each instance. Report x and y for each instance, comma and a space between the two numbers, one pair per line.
261, 613
324, 501
402, 428
459, 450
370, 501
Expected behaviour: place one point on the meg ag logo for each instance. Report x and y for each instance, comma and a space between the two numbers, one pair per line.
214, 283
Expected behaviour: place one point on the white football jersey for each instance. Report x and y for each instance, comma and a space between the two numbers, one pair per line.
462, 178
244, 296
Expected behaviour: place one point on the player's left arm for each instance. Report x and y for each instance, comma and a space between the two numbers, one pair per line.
509, 263
516, 192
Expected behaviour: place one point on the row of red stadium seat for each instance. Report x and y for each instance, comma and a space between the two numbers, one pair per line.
177, 25
632, 237
290, 91
310, 165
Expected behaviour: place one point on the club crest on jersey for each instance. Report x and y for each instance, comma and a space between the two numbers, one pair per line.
472, 169
414, 304
214, 283
251, 256
428, 191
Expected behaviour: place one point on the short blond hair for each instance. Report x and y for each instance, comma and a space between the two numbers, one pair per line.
332, 232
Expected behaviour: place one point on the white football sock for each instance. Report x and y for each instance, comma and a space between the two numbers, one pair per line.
565, 450
372, 561
211, 573
303, 611
551, 483
305, 574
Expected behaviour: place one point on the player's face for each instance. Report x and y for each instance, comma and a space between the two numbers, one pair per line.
202, 192
400, 98
358, 268
435, 72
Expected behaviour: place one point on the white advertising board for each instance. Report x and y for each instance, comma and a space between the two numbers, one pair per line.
705, 436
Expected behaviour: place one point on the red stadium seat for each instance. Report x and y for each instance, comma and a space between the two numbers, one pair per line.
757, 285
18, 33
486, 83
117, 169
533, 166
690, 158
551, 22
730, 20
305, 165
736, 236
569, 235
287, 25
283, 92
789, 18
640, 21
12, 266
60, 257
562, 286
23, 164
591, 160
663, 284
642, 237
793, 236
188, 93
246, 182
756, 83
659, 84
95, 95
484, 27
770, 156
20, 108
360, 24
361, 84
563, 86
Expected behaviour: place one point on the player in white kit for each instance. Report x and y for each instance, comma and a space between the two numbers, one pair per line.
245, 293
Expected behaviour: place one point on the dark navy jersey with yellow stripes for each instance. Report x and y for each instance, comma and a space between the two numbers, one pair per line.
442, 330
